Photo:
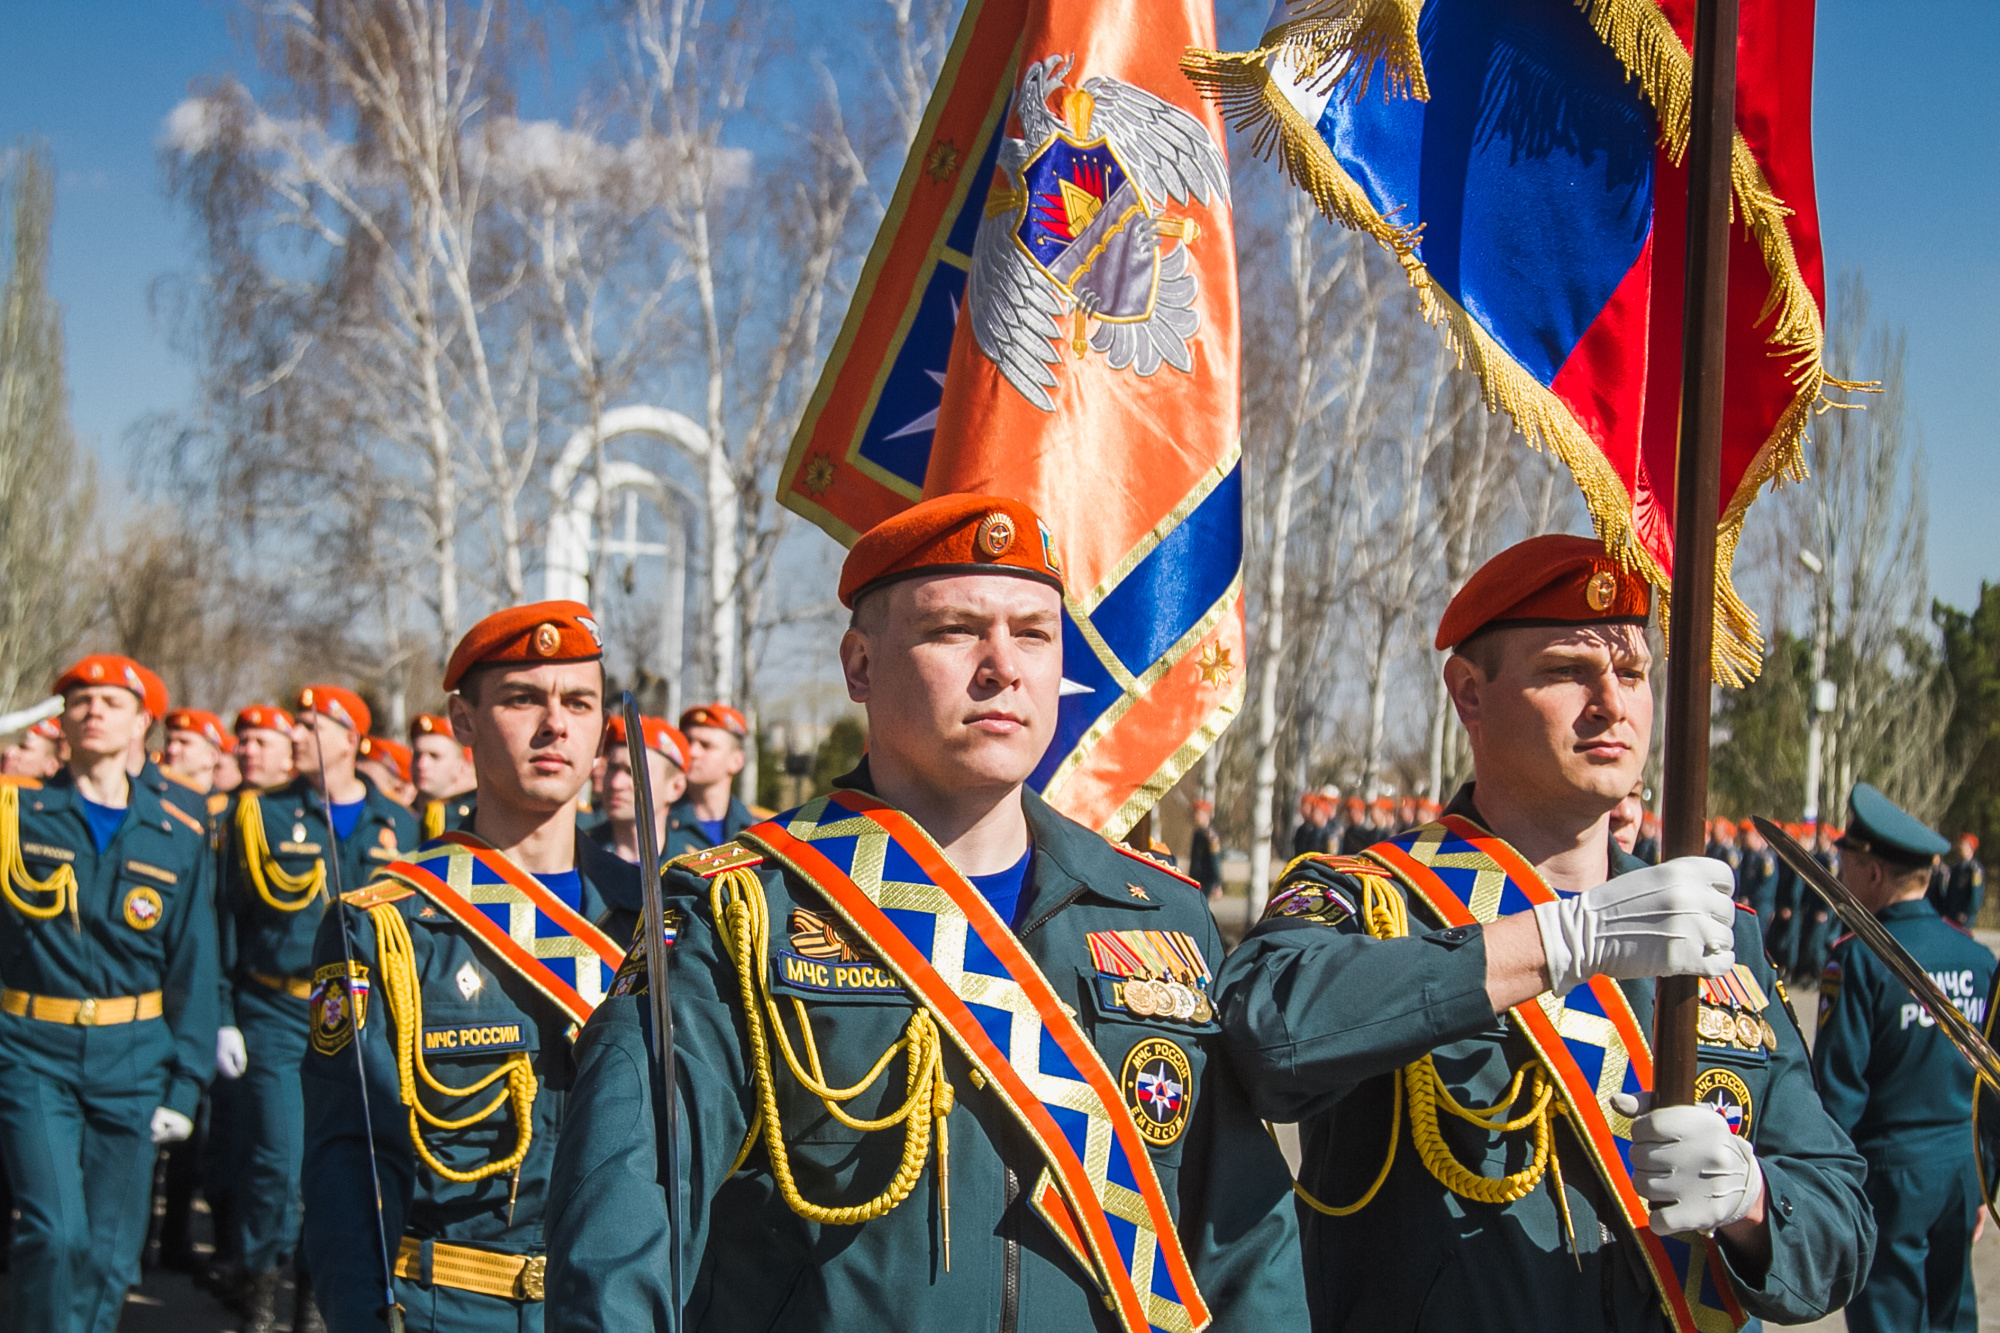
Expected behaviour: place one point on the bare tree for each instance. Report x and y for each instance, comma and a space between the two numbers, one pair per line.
355, 280
1862, 516
45, 493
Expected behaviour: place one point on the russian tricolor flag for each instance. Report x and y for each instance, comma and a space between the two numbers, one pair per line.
1524, 160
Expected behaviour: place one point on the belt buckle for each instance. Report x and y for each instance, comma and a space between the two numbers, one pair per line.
529, 1283
86, 1013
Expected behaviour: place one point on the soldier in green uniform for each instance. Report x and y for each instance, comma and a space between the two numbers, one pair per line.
708, 813
1459, 1019
667, 765
1896, 1084
947, 1059
476, 961
441, 768
107, 1003
276, 889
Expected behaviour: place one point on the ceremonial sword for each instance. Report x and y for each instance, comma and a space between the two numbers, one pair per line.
392, 1311
653, 922
1971, 1043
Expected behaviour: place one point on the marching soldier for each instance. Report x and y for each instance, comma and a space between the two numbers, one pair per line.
667, 765
441, 769
947, 1058
37, 754
107, 1002
1896, 1084
465, 1030
275, 891
1958, 888
709, 810
386, 763
195, 744
1459, 1020
1757, 877
264, 746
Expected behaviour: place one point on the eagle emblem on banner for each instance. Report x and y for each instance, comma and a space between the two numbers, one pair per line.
1077, 231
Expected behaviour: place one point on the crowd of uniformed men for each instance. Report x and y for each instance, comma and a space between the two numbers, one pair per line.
944, 1057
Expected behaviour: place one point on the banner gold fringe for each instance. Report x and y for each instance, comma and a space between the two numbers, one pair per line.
1642, 37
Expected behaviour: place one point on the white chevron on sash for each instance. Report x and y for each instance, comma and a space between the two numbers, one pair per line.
522, 917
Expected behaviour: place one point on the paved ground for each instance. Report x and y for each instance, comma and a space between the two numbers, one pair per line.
169, 1303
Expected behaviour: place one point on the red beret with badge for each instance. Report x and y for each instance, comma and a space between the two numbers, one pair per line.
385, 751
263, 717
203, 724
122, 672
952, 534
48, 729
343, 706
660, 737
720, 716
1554, 579
431, 724
538, 633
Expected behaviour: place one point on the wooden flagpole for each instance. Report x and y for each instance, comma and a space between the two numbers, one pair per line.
1697, 501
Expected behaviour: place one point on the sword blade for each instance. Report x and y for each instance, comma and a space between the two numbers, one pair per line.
653, 922
1971, 1043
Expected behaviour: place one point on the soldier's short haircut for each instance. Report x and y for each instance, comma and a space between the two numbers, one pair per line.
1485, 651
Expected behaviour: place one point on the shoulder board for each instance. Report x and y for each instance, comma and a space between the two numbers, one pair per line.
218, 802
179, 781
1359, 866
1154, 862
184, 817
708, 862
382, 891
18, 780
1746, 907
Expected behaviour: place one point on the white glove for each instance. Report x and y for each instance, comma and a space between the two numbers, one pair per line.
1667, 920
170, 1126
1688, 1165
231, 1056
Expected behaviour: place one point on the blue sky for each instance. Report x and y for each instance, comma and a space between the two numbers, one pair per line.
1907, 122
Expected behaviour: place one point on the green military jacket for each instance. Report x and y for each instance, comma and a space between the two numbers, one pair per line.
1318, 1016
1887, 1073
478, 1014
752, 1262
143, 919
262, 942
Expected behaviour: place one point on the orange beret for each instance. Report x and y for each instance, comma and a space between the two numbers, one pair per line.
343, 706
660, 737
1554, 579
393, 753
536, 633
431, 724
263, 717
203, 724
51, 730
112, 669
952, 534
721, 716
